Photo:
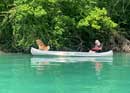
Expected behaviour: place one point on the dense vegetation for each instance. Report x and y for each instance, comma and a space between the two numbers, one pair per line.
63, 24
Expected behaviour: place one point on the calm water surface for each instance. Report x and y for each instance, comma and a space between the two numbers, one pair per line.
26, 74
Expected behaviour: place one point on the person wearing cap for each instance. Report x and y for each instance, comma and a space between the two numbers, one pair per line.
97, 47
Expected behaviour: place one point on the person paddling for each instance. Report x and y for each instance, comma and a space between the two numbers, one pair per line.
97, 47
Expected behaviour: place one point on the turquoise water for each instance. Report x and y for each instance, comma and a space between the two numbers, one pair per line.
26, 74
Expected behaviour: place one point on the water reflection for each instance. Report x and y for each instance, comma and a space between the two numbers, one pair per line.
39, 65
41, 62
122, 59
71, 59
98, 68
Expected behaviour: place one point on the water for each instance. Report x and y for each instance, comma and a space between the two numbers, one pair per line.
26, 74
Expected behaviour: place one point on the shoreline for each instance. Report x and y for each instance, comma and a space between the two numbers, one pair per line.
3, 52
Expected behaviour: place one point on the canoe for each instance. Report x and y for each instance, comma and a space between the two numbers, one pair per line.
35, 51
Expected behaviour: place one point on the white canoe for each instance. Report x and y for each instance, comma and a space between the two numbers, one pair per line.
35, 51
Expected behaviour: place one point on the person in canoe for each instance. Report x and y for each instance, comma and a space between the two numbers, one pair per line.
97, 47
41, 45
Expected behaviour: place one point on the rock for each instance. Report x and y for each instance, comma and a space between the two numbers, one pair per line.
120, 43
1, 52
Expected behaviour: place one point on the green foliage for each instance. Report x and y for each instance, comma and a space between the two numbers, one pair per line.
118, 10
27, 18
59, 23
97, 19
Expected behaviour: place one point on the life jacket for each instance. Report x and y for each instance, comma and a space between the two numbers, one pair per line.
97, 48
